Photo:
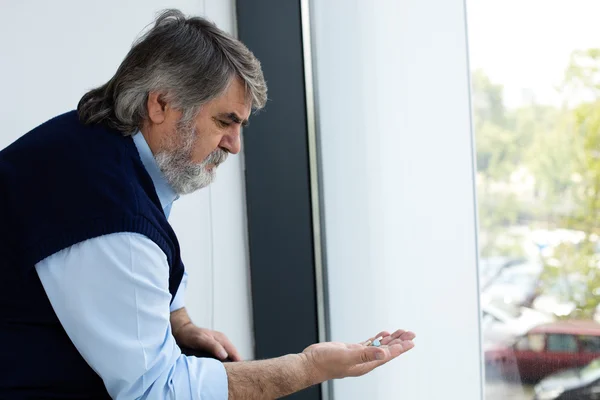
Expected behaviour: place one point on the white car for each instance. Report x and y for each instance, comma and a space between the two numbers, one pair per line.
502, 323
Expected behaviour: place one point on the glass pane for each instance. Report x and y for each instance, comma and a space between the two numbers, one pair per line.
590, 344
536, 342
562, 344
531, 342
535, 74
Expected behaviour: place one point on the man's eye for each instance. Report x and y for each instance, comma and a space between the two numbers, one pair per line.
223, 124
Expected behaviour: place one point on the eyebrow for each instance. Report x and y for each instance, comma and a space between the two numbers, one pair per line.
233, 117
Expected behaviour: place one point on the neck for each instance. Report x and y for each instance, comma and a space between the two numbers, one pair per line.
152, 137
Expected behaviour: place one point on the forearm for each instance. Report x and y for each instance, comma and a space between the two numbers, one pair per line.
269, 379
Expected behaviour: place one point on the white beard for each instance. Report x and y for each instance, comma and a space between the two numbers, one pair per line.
180, 172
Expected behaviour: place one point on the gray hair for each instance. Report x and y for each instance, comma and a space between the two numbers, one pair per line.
190, 60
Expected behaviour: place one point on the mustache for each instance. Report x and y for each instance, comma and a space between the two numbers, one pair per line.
218, 156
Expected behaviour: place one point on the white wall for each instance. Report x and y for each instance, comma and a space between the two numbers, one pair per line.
394, 123
52, 52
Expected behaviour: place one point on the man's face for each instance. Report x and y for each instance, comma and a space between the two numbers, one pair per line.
191, 151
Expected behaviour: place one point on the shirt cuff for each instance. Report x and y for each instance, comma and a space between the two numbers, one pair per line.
211, 378
179, 299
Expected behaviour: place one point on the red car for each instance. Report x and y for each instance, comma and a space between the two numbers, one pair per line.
546, 349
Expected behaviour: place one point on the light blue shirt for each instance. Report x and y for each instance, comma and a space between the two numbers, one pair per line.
111, 295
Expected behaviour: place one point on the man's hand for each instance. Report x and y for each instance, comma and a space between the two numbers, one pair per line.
279, 377
340, 360
189, 335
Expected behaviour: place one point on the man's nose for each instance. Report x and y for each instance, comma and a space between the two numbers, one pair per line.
231, 141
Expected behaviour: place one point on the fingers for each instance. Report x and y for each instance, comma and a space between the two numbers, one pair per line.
382, 354
372, 357
365, 355
234, 355
383, 334
387, 337
391, 337
213, 346
399, 334
400, 346
394, 348
369, 358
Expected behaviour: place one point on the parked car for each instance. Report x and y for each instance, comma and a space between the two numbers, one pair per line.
546, 349
571, 384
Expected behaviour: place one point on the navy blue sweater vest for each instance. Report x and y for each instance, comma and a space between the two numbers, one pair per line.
60, 184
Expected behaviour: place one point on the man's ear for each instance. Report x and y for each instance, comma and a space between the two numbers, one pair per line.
157, 107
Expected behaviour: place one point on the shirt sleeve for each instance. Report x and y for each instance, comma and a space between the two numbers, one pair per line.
111, 296
179, 300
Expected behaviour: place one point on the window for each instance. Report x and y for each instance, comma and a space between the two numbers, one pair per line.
562, 343
536, 117
590, 344
531, 342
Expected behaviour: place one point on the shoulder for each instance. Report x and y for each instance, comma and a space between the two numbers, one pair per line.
66, 182
67, 162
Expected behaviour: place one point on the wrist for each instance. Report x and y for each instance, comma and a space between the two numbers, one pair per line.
179, 319
177, 330
310, 370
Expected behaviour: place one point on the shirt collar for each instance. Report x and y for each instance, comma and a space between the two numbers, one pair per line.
165, 192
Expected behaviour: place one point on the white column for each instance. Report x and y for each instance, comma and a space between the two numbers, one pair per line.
397, 165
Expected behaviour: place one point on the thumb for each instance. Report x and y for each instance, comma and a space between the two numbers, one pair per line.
369, 354
215, 348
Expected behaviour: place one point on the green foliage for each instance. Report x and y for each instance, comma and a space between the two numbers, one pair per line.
559, 149
583, 72
575, 272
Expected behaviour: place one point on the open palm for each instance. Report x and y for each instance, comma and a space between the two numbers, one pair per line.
334, 360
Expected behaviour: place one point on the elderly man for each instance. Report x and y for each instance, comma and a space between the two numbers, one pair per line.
92, 283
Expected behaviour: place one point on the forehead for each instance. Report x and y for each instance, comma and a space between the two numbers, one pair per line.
233, 99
